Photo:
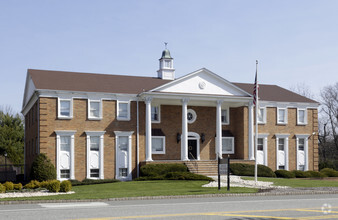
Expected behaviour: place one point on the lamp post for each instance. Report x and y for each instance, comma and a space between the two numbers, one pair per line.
5, 154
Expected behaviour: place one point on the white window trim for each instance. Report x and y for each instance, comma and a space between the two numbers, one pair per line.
192, 111
228, 115
70, 109
128, 110
163, 142
264, 116
306, 149
159, 114
101, 153
265, 147
285, 116
286, 149
233, 145
117, 135
100, 109
72, 162
305, 116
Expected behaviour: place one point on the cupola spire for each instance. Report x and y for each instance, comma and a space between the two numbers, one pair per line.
166, 70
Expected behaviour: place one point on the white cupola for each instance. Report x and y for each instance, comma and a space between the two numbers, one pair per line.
166, 70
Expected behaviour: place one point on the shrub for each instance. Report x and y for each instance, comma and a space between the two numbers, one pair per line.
315, 174
284, 174
162, 169
65, 186
326, 164
53, 186
44, 184
33, 184
329, 172
186, 176
242, 169
2, 188
18, 186
43, 169
9, 186
93, 181
301, 174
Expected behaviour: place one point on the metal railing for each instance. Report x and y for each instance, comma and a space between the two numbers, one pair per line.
10, 172
194, 162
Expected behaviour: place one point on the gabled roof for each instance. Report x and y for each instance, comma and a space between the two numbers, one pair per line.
89, 82
274, 93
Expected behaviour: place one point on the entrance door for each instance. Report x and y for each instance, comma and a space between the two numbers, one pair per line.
192, 149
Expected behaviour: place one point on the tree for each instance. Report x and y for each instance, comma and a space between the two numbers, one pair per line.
42, 169
11, 136
303, 90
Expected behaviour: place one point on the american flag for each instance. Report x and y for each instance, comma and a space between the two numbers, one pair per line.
256, 87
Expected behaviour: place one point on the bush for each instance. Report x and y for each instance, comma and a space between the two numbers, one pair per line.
186, 176
44, 184
43, 169
284, 174
315, 174
93, 181
162, 169
65, 186
2, 188
33, 184
18, 186
53, 186
242, 169
301, 174
326, 164
9, 186
329, 172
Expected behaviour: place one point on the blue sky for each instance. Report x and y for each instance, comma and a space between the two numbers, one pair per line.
294, 41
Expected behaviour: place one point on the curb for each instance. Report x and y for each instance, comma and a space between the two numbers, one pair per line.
14, 202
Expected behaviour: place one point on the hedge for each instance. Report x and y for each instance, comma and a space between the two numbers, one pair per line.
315, 174
42, 169
329, 172
242, 169
2, 188
284, 174
161, 169
9, 186
65, 186
301, 174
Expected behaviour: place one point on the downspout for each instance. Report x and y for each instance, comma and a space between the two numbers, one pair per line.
137, 137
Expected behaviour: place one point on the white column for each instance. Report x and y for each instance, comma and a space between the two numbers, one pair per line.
286, 148
219, 129
265, 148
101, 175
306, 152
72, 169
251, 135
184, 139
148, 129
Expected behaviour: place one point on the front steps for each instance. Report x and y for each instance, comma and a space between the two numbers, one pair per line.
203, 167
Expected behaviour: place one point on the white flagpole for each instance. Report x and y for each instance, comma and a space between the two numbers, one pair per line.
256, 123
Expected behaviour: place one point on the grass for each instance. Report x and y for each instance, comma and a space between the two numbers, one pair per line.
297, 182
140, 188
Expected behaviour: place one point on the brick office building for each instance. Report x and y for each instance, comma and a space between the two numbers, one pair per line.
105, 126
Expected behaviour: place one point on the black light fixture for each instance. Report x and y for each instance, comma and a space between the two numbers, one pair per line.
202, 137
178, 137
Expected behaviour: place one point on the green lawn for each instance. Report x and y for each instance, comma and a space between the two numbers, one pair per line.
140, 188
297, 182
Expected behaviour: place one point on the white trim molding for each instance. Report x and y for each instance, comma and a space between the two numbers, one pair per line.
60, 116
59, 134
100, 109
232, 143
285, 119
263, 117
265, 147
100, 155
118, 161
158, 106
306, 150
163, 144
227, 116
286, 150
118, 116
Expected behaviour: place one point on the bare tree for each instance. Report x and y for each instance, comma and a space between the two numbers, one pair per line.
329, 108
303, 90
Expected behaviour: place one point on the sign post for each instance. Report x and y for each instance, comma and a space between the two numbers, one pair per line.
224, 169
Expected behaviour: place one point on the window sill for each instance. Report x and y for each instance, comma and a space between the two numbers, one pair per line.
94, 119
155, 122
123, 119
282, 123
228, 152
302, 124
65, 118
225, 123
157, 152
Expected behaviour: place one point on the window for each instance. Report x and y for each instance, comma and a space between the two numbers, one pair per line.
65, 173
95, 154
65, 154
155, 113
301, 144
123, 153
94, 173
225, 116
191, 116
281, 167
94, 109
65, 108
301, 117
281, 143
123, 143
123, 110
260, 144
167, 64
123, 172
262, 115
282, 116
158, 145
228, 145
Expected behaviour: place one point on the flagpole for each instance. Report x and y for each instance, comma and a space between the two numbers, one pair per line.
256, 122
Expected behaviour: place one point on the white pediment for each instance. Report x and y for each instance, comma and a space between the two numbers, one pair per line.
202, 82
29, 90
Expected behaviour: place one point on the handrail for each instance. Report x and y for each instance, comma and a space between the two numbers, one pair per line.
194, 162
